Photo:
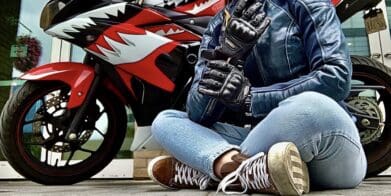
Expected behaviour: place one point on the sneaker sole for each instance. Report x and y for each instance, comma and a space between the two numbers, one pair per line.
150, 173
288, 172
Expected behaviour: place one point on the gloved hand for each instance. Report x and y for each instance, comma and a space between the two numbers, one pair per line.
226, 83
240, 31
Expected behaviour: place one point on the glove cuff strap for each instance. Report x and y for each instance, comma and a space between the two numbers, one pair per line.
247, 103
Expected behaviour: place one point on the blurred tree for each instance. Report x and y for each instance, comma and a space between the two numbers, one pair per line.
9, 17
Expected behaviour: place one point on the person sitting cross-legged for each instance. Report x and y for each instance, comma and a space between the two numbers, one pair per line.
284, 65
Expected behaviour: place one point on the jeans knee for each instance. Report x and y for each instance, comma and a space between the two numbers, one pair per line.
318, 113
164, 119
316, 106
313, 100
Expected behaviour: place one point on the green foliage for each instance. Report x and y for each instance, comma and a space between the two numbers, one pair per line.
9, 15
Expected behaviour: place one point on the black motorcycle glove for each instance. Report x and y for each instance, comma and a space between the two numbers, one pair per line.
240, 31
226, 83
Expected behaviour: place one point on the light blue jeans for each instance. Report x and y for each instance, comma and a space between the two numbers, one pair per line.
324, 133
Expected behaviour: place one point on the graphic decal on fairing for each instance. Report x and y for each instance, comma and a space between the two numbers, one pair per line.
133, 48
166, 3
174, 32
195, 7
134, 52
171, 31
83, 21
202, 7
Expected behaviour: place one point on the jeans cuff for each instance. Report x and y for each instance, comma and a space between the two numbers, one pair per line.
209, 161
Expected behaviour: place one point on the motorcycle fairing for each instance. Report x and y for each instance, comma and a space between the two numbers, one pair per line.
119, 34
77, 76
148, 71
93, 23
72, 28
134, 51
193, 7
146, 16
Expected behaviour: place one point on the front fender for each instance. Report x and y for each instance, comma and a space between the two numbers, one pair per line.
78, 76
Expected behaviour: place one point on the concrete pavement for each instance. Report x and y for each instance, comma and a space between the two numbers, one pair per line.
373, 186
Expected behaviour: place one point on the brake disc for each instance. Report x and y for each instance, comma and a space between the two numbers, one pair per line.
370, 107
51, 107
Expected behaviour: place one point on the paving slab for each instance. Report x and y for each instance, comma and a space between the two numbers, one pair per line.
373, 186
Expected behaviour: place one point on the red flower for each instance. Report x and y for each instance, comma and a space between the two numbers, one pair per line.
34, 51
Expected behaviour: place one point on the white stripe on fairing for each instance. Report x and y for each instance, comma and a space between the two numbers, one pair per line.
39, 76
84, 20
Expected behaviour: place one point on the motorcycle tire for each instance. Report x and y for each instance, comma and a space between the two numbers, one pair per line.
17, 149
372, 72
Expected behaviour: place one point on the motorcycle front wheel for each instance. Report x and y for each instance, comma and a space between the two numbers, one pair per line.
374, 101
33, 126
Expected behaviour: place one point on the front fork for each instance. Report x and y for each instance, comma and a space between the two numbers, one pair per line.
74, 128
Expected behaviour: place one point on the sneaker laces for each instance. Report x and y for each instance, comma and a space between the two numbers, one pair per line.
252, 174
189, 176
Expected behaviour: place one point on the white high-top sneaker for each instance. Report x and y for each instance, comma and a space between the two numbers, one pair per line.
281, 171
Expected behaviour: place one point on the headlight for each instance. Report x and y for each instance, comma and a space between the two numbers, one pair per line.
50, 10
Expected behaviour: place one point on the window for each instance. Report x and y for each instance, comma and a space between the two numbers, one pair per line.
356, 36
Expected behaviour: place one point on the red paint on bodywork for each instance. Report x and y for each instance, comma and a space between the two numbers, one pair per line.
126, 78
113, 33
77, 76
113, 89
147, 70
210, 11
336, 2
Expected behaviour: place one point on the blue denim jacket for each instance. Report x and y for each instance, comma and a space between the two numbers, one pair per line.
303, 49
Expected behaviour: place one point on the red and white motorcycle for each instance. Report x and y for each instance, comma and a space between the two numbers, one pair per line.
140, 54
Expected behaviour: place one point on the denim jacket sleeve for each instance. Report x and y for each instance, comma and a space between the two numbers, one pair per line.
201, 108
328, 58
